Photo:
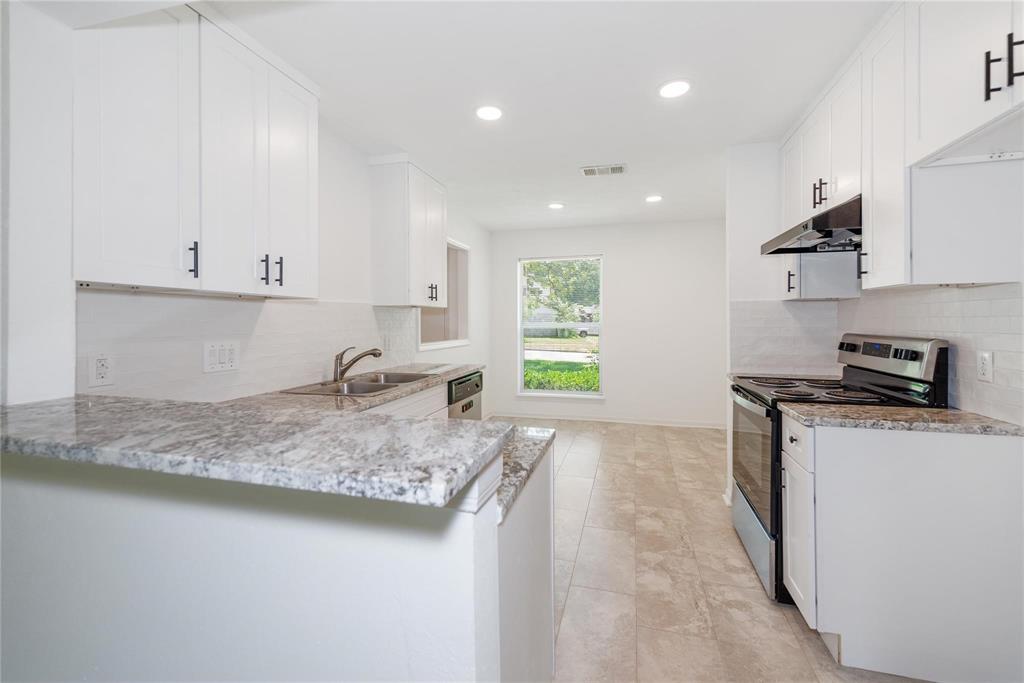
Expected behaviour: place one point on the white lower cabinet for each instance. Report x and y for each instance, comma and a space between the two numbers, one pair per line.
427, 403
195, 162
798, 562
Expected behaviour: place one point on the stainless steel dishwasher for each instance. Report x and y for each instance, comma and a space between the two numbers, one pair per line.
464, 397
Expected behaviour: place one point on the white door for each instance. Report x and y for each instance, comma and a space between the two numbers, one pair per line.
234, 115
292, 188
947, 70
885, 257
794, 189
798, 564
136, 151
844, 113
816, 170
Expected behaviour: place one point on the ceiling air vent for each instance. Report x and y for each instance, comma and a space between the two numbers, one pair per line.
612, 169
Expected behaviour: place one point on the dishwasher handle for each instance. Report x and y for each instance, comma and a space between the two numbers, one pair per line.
757, 408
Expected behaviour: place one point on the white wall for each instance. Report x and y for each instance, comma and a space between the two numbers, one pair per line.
972, 319
663, 322
39, 311
155, 340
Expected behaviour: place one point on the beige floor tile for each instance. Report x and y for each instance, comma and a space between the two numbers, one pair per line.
699, 475
670, 597
726, 563
661, 529
572, 493
616, 476
653, 459
618, 453
597, 638
746, 615
580, 462
663, 656
769, 661
606, 560
611, 509
568, 529
657, 488
563, 575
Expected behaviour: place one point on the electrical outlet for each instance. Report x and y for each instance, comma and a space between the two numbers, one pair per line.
221, 356
101, 370
985, 369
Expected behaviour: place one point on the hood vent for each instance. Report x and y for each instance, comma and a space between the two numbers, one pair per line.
838, 229
612, 169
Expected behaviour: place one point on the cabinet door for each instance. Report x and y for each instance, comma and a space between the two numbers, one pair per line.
790, 276
427, 247
136, 151
816, 167
798, 563
234, 115
946, 70
292, 187
1017, 91
886, 249
844, 130
795, 191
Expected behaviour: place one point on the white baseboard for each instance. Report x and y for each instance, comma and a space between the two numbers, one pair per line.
623, 420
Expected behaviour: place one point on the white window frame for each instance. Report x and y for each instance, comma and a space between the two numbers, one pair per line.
521, 390
449, 343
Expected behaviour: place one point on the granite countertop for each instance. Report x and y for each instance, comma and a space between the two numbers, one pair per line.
897, 418
310, 443
520, 456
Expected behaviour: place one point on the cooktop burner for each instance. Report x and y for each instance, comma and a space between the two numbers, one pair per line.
849, 395
793, 393
773, 382
824, 383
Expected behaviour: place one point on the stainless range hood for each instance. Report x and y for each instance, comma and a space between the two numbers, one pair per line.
838, 229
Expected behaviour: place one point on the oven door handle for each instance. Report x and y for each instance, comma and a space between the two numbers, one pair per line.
749, 405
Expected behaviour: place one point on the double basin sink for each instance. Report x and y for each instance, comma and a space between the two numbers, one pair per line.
365, 385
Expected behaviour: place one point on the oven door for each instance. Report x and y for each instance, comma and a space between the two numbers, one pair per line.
752, 454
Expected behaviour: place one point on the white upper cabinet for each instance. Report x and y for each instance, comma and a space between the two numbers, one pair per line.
844, 116
885, 258
136, 151
952, 86
816, 170
795, 191
195, 162
409, 240
234, 115
292, 188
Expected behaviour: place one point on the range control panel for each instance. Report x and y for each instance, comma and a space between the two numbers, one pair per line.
904, 356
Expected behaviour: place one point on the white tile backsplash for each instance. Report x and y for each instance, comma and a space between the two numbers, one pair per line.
972, 319
783, 337
155, 342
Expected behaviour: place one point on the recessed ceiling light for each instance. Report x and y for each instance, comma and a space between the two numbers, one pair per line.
674, 89
488, 113
556, 205
653, 198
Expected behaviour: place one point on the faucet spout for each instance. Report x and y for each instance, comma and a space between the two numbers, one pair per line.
341, 367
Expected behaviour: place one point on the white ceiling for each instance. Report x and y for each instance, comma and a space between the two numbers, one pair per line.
578, 85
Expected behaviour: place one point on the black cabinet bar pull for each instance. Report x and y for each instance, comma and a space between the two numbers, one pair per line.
1010, 73
280, 271
789, 281
989, 61
814, 196
195, 259
266, 269
860, 264
821, 191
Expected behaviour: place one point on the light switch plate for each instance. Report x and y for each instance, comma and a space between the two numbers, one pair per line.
985, 370
221, 356
101, 370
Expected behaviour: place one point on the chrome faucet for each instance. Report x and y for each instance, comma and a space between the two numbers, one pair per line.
341, 367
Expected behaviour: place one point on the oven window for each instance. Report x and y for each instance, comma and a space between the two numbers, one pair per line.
752, 460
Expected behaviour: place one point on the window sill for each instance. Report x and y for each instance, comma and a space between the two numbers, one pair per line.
560, 394
450, 344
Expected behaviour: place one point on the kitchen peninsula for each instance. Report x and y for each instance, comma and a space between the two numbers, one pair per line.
330, 543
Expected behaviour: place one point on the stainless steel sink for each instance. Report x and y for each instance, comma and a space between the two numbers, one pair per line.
393, 377
344, 389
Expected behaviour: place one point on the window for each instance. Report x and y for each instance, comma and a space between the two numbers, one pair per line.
444, 327
560, 325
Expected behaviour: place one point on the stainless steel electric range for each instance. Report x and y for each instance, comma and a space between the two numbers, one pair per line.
877, 370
